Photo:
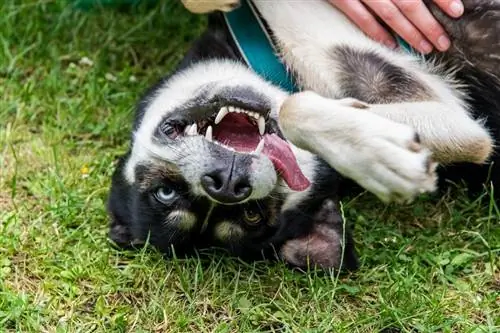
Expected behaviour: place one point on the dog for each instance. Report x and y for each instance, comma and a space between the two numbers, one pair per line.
221, 157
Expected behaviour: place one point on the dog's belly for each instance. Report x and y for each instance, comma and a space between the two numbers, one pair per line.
311, 22
309, 32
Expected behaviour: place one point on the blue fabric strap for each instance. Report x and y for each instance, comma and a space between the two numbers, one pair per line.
256, 46
405, 46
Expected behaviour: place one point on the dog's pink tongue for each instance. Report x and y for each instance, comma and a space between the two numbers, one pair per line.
280, 153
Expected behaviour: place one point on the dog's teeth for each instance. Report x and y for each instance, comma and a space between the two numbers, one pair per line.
187, 129
222, 113
193, 130
238, 110
256, 115
208, 134
259, 148
262, 125
231, 109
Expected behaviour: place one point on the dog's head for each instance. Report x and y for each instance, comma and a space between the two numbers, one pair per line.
208, 163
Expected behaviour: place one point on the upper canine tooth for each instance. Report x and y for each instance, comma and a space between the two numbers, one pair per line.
193, 130
262, 125
208, 134
222, 113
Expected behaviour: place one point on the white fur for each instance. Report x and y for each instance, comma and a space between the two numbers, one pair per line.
307, 32
227, 231
181, 219
176, 92
373, 149
379, 154
191, 153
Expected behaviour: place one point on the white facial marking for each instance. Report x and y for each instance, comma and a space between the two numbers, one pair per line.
226, 231
181, 219
192, 151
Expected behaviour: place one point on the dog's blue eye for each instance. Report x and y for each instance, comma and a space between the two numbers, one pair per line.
165, 195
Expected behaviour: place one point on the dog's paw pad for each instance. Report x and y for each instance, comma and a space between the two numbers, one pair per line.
415, 147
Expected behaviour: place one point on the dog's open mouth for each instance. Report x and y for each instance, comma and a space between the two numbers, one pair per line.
243, 131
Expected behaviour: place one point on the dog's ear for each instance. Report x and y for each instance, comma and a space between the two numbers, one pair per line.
118, 207
328, 245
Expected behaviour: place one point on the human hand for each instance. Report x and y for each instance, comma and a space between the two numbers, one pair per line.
410, 19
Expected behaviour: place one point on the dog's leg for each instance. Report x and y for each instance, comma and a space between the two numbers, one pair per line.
381, 155
334, 59
331, 57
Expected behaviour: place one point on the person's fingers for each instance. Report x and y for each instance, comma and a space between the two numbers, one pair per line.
394, 18
454, 8
362, 17
418, 13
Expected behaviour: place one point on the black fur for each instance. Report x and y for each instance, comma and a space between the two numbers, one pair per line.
475, 51
136, 215
381, 82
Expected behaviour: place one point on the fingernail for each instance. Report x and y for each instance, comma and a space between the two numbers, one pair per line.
443, 43
456, 8
425, 46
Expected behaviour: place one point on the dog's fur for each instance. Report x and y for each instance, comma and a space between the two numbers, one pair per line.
367, 113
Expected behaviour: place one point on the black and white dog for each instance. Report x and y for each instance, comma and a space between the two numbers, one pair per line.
220, 157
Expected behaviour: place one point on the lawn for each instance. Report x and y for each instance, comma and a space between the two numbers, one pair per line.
68, 84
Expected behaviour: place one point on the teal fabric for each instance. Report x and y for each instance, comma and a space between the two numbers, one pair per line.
257, 48
405, 46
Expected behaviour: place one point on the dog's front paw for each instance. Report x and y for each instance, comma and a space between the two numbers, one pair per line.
384, 157
207, 6
391, 163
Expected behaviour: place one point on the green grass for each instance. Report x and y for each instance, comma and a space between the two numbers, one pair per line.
429, 267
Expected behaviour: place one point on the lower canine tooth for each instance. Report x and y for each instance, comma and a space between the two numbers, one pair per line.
259, 148
262, 125
193, 130
208, 134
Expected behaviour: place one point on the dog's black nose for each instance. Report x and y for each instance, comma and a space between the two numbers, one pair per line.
227, 186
